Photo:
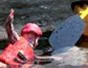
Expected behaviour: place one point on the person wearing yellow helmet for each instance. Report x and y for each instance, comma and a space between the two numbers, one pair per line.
81, 8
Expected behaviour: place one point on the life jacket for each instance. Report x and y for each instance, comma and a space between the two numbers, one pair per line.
10, 53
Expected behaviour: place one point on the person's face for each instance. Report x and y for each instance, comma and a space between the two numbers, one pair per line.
32, 39
82, 12
77, 9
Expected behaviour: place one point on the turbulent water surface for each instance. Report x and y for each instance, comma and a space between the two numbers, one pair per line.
47, 14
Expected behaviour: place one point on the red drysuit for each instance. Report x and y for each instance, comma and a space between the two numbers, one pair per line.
10, 54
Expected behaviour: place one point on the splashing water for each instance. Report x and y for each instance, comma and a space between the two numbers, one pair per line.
56, 58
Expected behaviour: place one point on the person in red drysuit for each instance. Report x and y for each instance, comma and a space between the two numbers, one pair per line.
19, 52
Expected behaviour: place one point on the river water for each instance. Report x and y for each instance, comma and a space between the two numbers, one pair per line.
47, 14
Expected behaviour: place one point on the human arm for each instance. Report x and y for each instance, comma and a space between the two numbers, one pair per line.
45, 59
11, 33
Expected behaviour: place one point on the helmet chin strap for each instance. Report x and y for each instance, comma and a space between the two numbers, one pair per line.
34, 43
31, 45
